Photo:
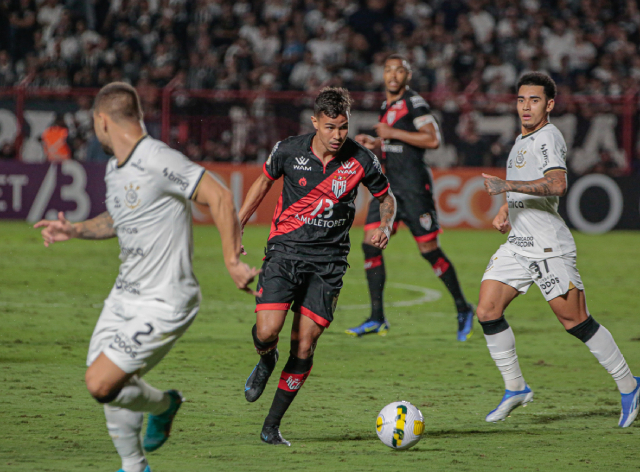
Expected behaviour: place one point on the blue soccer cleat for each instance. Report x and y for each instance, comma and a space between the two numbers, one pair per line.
271, 435
159, 426
257, 380
510, 402
630, 407
465, 324
147, 469
369, 327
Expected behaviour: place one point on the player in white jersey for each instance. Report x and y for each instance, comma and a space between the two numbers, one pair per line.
540, 249
156, 296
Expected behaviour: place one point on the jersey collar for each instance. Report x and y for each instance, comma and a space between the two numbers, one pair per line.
534, 132
120, 166
406, 90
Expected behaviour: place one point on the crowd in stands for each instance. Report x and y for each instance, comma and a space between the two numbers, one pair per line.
588, 46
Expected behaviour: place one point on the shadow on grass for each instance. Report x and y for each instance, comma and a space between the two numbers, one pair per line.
426, 435
546, 419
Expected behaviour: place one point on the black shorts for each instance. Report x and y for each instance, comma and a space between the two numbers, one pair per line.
417, 211
313, 288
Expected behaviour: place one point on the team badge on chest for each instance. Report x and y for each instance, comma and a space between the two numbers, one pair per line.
131, 198
339, 185
520, 162
391, 117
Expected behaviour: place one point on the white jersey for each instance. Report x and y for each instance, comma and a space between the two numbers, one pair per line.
148, 198
537, 230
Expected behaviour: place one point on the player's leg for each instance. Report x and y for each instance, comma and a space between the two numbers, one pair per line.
571, 310
376, 277
276, 285
503, 280
304, 337
265, 339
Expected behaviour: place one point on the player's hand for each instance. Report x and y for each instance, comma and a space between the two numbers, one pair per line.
367, 141
380, 237
501, 222
494, 185
384, 131
243, 275
56, 230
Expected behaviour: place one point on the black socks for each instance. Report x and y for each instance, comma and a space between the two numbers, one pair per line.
376, 277
444, 269
293, 376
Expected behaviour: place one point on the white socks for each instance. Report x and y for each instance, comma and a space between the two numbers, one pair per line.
137, 395
603, 346
502, 347
124, 428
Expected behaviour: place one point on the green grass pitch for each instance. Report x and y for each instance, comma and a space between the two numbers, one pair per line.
50, 300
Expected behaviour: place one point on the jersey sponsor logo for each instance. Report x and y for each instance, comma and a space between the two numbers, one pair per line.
339, 185
545, 155
426, 221
322, 223
131, 198
177, 179
522, 241
418, 101
130, 287
346, 168
302, 164
131, 251
520, 162
395, 148
138, 165
122, 343
127, 230
302, 182
376, 163
515, 204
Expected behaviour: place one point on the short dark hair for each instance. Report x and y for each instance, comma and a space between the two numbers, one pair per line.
539, 78
333, 102
399, 57
120, 101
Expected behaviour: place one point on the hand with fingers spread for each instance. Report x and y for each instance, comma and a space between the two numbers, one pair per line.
56, 230
243, 275
494, 185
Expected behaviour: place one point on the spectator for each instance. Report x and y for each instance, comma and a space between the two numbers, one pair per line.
55, 141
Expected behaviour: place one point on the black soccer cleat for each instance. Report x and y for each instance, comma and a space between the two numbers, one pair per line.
259, 377
271, 435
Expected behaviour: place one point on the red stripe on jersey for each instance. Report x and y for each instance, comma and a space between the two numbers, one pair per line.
441, 266
264, 169
291, 218
382, 192
292, 382
428, 237
272, 306
394, 113
372, 263
311, 315
276, 214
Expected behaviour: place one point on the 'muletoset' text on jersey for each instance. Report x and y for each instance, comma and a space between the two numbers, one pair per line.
317, 206
404, 163
537, 229
148, 198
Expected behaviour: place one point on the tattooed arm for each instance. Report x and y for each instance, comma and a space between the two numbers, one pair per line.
553, 184
100, 227
382, 233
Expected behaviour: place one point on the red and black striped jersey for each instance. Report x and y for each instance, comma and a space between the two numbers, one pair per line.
404, 164
317, 206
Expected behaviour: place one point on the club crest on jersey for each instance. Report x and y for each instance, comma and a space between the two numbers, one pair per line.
426, 221
520, 162
131, 198
339, 185
391, 117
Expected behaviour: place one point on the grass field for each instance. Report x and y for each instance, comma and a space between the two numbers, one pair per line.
50, 300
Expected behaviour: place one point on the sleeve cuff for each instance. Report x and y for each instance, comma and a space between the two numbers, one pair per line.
563, 169
194, 193
382, 192
264, 169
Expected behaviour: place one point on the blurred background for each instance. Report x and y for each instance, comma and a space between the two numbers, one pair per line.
222, 81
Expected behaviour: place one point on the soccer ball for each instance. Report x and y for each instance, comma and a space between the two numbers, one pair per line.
400, 425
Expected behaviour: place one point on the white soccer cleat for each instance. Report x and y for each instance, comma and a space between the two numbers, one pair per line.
510, 401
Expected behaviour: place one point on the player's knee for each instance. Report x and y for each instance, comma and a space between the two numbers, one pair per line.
487, 311
267, 333
102, 391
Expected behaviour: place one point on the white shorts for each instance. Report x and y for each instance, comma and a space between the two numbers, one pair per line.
554, 276
136, 338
